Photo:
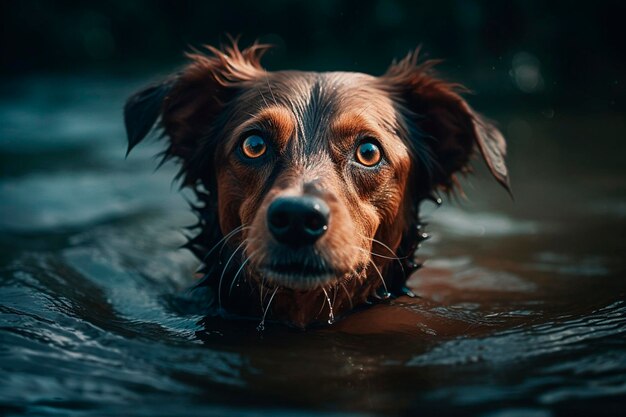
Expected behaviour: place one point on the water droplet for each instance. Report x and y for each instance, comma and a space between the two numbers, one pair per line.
406, 291
331, 315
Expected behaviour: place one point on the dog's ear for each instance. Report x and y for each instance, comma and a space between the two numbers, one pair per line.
142, 110
435, 109
189, 103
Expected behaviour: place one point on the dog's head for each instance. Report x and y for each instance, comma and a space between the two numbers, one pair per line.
315, 178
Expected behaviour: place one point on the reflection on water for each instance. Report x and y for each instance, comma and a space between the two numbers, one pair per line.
521, 309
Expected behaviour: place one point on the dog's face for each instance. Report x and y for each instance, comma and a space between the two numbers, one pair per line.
314, 168
315, 178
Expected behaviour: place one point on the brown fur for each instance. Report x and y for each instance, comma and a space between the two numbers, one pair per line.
313, 120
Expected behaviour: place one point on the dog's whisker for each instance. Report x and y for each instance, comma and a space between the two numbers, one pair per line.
249, 241
331, 316
363, 110
322, 307
225, 239
347, 294
263, 97
269, 285
261, 292
243, 264
270, 88
398, 259
219, 285
383, 245
381, 278
261, 296
335, 290
393, 258
261, 325
224, 244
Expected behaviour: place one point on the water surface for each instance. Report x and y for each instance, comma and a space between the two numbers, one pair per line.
521, 310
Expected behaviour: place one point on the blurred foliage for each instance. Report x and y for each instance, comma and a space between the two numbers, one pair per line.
555, 50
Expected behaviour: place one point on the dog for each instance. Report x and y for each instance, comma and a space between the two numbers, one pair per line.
309, 183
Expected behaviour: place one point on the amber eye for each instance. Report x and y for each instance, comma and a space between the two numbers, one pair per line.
254, 146
368, 154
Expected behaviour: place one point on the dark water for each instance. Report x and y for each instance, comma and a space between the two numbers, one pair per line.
522, 310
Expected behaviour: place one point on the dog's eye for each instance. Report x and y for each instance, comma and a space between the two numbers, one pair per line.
254, 146
368, 154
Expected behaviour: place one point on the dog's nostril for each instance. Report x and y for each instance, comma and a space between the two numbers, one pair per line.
315, 222
279, 219
298, 221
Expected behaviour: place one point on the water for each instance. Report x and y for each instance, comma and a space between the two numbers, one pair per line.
522, 309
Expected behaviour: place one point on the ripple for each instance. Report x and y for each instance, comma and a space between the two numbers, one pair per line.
525, 343
569, 265
70, 200
465, 223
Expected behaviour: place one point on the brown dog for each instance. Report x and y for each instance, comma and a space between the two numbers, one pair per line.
310, 182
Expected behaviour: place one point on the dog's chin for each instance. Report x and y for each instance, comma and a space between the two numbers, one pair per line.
296, 276
302, 269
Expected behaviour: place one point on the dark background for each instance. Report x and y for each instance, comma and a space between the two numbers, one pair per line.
522, 307
572, 53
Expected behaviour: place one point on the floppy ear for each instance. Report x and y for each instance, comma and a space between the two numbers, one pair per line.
189, 103
142, 110
434, 107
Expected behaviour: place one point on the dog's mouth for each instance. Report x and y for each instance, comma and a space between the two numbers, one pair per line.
303, 275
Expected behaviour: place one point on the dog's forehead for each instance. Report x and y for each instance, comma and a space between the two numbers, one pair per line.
317, 99
314, 93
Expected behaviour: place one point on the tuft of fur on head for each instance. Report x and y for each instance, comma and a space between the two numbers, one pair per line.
201, 90
444, 114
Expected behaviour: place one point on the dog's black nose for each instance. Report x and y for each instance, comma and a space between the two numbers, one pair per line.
298, 221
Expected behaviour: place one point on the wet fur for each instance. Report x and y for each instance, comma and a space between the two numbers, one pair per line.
428, 134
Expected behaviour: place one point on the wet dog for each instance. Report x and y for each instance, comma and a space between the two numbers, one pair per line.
309, 184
